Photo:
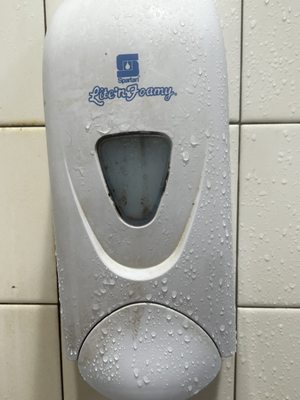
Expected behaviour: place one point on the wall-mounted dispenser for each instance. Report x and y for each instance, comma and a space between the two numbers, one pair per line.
137, 127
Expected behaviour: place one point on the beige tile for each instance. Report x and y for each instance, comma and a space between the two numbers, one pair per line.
234, 165
271, 63
269, 232
222, 388
229, 12
27, 261
230, 16
29, 348
268, 354
21, 40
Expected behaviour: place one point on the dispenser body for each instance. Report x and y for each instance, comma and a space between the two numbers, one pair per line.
114, 71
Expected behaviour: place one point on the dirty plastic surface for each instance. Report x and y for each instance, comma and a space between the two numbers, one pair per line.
182, 259
150, 352
135, 167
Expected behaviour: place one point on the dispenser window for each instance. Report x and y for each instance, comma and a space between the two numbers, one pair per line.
135, 168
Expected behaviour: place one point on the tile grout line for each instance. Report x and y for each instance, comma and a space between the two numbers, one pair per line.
21, 126
45, 16
261, 122
237, 256
269, 307
61, 351
240, 123
3, 303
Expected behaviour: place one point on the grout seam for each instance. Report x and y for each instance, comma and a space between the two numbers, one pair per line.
60, 332
269, 307
27, 304
45, 16
237, 255
11, 126
60, 353
241, 62
261, 122
240, 123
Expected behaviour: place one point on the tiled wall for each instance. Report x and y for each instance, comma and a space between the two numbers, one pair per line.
263, 47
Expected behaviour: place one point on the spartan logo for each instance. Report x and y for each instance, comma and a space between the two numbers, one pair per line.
128, 68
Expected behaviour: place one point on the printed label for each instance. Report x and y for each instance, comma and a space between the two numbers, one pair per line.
128, 71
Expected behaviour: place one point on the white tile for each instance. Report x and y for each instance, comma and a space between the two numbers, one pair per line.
229, 12
28, 271
21, 41
268, 354
29, 348
271, 64
269, 232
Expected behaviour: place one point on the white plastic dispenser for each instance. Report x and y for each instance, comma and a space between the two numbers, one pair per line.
137, 127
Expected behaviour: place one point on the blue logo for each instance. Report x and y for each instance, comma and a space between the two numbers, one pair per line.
128, 71
128, 67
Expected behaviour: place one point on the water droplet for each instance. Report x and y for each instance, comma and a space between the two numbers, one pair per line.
185, 156
104, 331
187, 339
194, 142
